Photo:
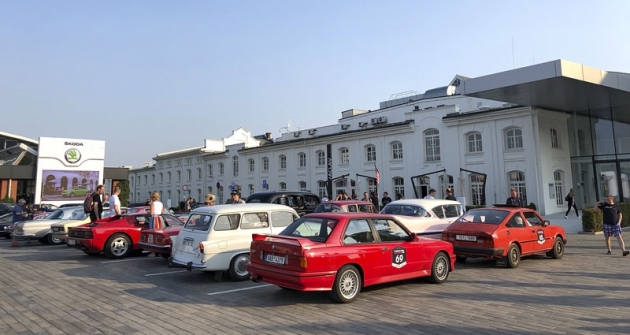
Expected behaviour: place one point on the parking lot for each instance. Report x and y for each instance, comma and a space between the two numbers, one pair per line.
60, 290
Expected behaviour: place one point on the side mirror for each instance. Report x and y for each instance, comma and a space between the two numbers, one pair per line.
546, 223
414, 237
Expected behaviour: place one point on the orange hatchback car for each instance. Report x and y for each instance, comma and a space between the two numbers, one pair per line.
505, 234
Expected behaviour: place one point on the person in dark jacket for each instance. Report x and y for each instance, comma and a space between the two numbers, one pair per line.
449, 195
514, 199
570, 199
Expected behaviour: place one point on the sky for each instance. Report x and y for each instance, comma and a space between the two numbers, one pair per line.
155, 76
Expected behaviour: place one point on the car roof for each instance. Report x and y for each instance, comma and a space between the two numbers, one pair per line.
506, 208
247, 207
347, 202
357, 215
424, 202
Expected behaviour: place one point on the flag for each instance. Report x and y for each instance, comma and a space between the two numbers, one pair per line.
378, 175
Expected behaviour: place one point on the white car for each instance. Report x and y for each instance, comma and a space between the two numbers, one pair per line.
217, 238
40, 229
425, 217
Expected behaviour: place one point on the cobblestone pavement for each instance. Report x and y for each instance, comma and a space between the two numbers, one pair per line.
58, 290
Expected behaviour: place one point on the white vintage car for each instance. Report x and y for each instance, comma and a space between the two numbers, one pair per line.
40, 229
218, 238
425, 217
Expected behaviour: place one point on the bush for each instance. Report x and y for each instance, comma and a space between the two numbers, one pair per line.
625, 212
7, 200
532, 206
591, 221
124, 192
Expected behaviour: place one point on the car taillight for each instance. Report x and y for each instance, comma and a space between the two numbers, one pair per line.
303, 262
201, 247
448, 237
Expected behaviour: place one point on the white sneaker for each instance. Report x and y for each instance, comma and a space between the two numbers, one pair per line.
565, 217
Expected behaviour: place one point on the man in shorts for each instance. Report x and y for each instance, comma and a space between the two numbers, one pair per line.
612, 222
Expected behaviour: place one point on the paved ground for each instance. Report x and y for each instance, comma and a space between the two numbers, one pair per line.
57, 290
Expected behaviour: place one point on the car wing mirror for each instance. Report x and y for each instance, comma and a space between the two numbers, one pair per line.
546, 223
414, 237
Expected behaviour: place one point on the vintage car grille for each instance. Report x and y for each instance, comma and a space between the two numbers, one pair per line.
80, 234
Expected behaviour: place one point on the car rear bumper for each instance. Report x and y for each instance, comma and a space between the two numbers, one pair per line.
474, 251
82, 243
22, 236
300, 281
163, 249
189, 265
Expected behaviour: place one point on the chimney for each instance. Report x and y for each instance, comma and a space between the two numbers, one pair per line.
268, 136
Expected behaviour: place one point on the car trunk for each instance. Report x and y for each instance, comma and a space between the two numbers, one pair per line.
186, 247
470, 234
284, 252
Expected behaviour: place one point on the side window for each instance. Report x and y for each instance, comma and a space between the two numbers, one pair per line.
282, 219
451, 211
516, 221
366, 208
390, 230
358, 231
391, 209
255, 221
533, 219
438, 211
171, 221
352, 208
227, 222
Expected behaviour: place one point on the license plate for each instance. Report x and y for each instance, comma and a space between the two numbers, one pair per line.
280, 260
72, 242
188, 242
150, 238
466, 238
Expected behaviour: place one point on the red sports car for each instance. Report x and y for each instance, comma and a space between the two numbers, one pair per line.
116, 236
159, 241
343, 252
505, 234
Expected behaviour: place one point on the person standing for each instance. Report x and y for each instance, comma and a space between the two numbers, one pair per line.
431, 194
114, 203
374, 200
514, 200
570, 199
210, 198
449, 195
188, 205
155, 209
97, 203
236, 198
612, 222
386, 199
19, 213
366, 197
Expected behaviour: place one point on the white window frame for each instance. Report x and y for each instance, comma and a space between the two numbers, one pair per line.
370, 153
399, 186
302, 160
345, 155
513, 138
555, 141
557, 183
283, 162
397, 150
265, 164
252, 165
517, 181
235, 166
321, 158
474, 143
432, 145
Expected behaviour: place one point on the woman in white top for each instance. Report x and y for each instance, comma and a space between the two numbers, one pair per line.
156, 208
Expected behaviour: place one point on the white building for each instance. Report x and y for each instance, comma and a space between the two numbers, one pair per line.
479, 147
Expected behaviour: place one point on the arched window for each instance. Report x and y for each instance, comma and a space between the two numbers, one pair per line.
302, 159
283, 162
555, 143
432, 145
321, 188
557, 182
513, 138
283, 186
370, 153
345, 155
302, 186
321, 158
399, 187
251, 164
265, 164
397, 150
235, 166
473, 142
517, 182
476, 189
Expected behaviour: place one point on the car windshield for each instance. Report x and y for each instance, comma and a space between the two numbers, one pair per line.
198, 222
313, 228
79, 214
56, 215
482, 215
327, 208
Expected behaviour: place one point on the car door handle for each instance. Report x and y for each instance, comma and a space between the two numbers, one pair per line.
384, 248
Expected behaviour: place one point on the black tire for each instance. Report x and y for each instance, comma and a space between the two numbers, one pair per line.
237, 270
118, 246
53, 240
43, 240
558, 249
347, 284
165, 256
513, 256
440, 269
461, 258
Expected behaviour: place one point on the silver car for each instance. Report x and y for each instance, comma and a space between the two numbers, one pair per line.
40, 229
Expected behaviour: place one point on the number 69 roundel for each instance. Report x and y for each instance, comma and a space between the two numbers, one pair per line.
399, 257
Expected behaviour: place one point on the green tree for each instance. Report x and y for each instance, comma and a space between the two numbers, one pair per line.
124, 193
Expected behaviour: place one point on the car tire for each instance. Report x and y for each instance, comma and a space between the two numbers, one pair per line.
118, 246
513, 256
43, 240
347, 284
53, 240
440, 269
558, 249
237, 268
461, 258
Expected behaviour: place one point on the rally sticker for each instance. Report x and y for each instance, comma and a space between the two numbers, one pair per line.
399, 257
541, 236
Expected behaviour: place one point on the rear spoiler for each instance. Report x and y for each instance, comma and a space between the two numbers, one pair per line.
292, 240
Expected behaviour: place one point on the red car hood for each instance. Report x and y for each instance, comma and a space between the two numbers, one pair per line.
471, 227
